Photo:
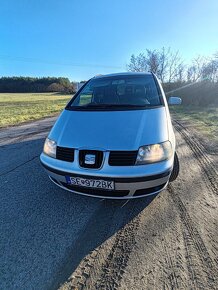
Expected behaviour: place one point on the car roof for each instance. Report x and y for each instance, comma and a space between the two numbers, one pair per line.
124, 74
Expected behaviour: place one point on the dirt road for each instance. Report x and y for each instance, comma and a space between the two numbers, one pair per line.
166, 242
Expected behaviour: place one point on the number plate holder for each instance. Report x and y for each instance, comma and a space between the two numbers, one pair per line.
90, 183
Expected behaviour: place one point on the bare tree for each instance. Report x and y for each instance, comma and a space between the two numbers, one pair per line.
170, 68
210, 69
152, 60
137, 63
174, 66
196, 69
163, 63
166, 64
181, 73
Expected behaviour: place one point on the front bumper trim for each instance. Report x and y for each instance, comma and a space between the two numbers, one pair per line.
122, 194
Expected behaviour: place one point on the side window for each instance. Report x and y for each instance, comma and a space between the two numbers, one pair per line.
85, 99
85, 96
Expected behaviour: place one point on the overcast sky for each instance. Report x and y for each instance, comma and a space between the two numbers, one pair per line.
79, 39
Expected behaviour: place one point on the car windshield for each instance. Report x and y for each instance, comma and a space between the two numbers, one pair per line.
118, 92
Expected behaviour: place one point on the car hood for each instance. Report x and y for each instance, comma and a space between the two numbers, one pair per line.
110, 130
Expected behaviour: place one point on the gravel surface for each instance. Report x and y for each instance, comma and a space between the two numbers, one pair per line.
51, 238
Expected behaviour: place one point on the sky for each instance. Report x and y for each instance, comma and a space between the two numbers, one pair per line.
79, 39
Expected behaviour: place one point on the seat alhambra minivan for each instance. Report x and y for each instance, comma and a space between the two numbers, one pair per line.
114, 139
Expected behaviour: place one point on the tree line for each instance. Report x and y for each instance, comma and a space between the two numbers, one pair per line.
34, 84
171, 68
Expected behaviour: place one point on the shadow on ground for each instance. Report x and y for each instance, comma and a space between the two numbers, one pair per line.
46, 231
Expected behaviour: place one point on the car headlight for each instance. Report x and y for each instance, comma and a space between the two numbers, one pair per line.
50, 147
154, 153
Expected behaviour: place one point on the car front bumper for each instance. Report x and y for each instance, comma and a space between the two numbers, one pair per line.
130, 181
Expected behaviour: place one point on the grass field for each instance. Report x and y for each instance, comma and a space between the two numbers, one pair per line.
204, 119
18, 108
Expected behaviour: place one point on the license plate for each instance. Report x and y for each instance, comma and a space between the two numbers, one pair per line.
93, 183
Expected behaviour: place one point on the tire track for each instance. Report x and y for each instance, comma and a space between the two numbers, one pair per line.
193, 272
84, 254
23, 136
192, 235
198, 150
20, 165
178, 261
170, 269
117, 260
105, 266
207, 262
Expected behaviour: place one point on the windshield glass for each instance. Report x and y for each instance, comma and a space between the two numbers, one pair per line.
120, 91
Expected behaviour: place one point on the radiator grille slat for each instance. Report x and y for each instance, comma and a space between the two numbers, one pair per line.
122, 158
65, 154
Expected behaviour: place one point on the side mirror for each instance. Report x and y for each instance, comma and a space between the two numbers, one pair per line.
174, 101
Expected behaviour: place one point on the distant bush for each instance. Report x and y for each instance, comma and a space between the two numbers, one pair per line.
204, 93
38, 85
54, 87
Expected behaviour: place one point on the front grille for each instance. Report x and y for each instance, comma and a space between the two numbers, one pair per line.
122, 158
97, 192
98, 158
65, 154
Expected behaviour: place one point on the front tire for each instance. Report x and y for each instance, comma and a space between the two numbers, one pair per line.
175, 171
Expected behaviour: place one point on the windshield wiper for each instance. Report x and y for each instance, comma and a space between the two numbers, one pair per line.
121, 106
106, 106
102, 105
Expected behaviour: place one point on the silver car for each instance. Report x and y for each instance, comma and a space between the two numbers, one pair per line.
114, 139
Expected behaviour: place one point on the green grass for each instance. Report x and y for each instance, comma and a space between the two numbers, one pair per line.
203, 119
16, 108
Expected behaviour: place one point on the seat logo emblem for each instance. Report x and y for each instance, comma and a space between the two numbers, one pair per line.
89, 159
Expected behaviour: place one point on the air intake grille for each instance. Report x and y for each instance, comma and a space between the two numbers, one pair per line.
65, 154
122, 158
149, 190
96, 191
